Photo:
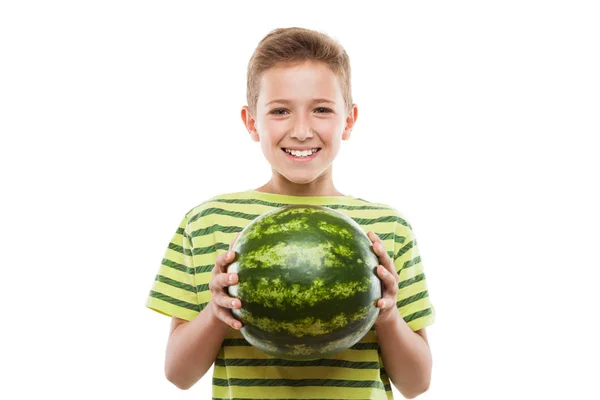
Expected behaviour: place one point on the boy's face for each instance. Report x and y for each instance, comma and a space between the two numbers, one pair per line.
300, 106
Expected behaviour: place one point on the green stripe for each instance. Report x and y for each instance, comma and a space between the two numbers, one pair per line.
274, 204
210, 249
235, 229
174, 301
202, 288
204, 268
357, 346
220, 211
182, 232
403, 250
177, 266
177, 284
278, 362
297, 382
412, 299
254, 398
216, 228
410, 281
179, 249
398, 239
365, 346
388, 218
385, 236
270, 398
411, 263
250, 217
418, 314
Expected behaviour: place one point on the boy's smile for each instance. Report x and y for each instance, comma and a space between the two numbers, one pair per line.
300, 109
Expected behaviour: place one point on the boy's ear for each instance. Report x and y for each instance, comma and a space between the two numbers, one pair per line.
250, 123
350, 121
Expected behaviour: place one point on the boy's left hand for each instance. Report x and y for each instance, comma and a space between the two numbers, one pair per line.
390, 278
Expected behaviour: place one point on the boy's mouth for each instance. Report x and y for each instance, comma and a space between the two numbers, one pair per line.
301, 155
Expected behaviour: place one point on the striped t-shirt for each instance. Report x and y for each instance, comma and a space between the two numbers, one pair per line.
241, 371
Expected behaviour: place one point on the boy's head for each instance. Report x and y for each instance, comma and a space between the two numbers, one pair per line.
289, 46
299, 97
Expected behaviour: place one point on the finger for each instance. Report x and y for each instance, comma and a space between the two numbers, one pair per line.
225, 301
373, 236
223, 260
390, 282
226, 316
377, 242
383, 255
222, 280
385, 303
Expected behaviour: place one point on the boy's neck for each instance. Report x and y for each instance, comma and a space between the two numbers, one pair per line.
299, 190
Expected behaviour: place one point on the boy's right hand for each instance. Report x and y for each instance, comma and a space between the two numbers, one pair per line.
220, 302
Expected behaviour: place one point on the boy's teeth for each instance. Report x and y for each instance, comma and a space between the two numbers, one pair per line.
303, 153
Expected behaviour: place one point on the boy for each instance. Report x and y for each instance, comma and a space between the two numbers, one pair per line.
299, 109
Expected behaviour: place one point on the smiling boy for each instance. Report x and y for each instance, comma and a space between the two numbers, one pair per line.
299, 110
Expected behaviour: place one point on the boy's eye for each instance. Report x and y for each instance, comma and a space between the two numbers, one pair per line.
282, 111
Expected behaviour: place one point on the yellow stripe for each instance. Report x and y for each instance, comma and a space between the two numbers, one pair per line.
412, 289
418, 305
409, 272
177, 275
175, 292
277, 372
422, 322
306, 392
204, 297
348, 355
169, 309
203, 278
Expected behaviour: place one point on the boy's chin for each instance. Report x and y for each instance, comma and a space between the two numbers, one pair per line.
300, 179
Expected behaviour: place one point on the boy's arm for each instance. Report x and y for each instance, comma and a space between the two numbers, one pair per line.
192, 347
405, 353
406, 356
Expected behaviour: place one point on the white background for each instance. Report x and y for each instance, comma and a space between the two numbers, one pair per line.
478, 120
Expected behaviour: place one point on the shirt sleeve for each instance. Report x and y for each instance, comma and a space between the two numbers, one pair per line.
413, 302
174, 291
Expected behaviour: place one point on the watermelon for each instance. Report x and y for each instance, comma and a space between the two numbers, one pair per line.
307, 282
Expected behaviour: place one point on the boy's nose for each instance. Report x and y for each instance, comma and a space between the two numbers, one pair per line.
302, 132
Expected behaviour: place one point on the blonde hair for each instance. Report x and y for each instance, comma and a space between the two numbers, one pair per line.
296, 45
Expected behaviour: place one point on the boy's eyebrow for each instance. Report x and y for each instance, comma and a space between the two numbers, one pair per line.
284, 101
